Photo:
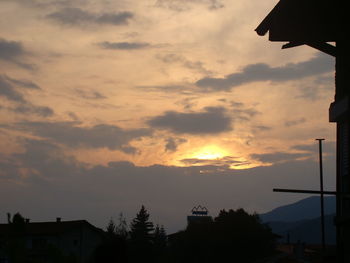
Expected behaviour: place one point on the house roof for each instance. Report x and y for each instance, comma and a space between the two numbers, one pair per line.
301, 21
50, 228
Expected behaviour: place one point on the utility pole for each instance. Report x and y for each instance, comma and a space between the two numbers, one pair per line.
321, 193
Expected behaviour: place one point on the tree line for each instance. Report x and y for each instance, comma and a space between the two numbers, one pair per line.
142, 241
233, 234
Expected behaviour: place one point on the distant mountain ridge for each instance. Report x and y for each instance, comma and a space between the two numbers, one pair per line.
301, 221
308, 208
307, 231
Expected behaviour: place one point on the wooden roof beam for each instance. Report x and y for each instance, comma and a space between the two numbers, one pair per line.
321, 46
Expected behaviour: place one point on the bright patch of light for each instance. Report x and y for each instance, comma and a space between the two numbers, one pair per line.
211, 152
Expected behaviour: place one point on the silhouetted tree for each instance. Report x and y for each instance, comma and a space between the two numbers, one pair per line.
111, 227
17, 223
159, 243
15, 245
113, 248
159, 238
141, 238
141, 228
122, 228
244, 232
233, 235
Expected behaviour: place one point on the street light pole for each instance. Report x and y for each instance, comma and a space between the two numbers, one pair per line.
321, 192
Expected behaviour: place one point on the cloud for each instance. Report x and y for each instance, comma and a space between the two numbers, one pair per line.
224, 162
261, 128
263, 72
277, 157
98, 136
120, 18
235, 104
90, 94
40, 159
304, 151
77, 16
328, 147
13, 51
294, 122
43, 169
23, 83
43, 3
193, 65
179, 89
244, 114
29, 108
73, 116
124, 45
316, 90
9, 50
183, 5
10, 86
172, 144
10, 89
212, 120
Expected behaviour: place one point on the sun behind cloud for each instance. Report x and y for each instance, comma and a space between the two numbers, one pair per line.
216, 155
210, 152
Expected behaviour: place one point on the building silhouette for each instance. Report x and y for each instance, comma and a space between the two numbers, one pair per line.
199, 215
44, 241
319, 24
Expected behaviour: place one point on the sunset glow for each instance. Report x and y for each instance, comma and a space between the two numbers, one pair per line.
211, 152
106, 105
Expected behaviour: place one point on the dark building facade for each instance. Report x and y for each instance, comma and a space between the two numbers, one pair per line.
74, 241
321, 24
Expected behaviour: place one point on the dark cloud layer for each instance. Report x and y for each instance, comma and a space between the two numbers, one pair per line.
263, 72
10, 50
11, 89
72, 190
303, 151
226, 162
14, 52
290, 123
171, 58
183, 5
98, 136
212, 120
172, 143
90, 94
328, 147
278, 157
124, 45
29, 108
77, 16
44, 3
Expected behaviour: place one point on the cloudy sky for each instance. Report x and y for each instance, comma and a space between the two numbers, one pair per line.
110, 104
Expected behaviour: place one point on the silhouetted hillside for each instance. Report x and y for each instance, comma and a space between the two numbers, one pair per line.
302, 220
308, 208
307, 231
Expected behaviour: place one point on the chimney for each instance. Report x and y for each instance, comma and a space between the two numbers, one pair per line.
58, 219
27, 220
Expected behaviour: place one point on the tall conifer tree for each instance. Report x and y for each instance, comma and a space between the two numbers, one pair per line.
141, 237
141, 228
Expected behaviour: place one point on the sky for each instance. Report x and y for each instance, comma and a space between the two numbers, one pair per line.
107, 105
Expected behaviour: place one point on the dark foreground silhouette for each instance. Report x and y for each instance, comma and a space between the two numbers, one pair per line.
233, 234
